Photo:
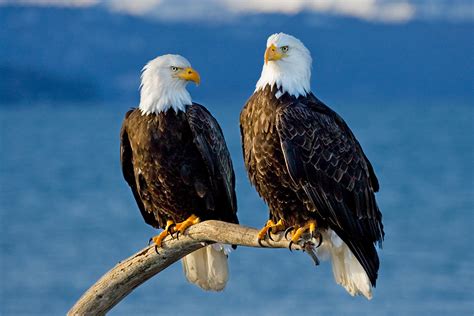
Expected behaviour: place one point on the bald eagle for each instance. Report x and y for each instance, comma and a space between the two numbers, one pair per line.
307, 165
175, 160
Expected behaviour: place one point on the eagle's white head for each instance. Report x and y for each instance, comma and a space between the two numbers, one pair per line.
164, 81
287, 65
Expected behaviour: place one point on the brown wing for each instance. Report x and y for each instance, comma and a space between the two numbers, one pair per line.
126, 159
326, 161
209, 140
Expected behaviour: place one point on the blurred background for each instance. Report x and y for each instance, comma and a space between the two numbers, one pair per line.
399, 72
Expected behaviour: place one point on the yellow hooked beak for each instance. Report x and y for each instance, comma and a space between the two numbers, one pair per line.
273, 53
189, 74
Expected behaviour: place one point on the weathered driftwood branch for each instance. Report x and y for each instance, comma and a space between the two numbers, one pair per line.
130, 273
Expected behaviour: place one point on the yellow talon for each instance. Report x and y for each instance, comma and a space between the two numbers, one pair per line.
309, 226
278, 227
190, 221
263, 232
270, 228
312, 227
171, 228
169, 223
297, 235
158, 239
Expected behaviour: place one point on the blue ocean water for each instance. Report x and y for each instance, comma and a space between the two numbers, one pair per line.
67, 217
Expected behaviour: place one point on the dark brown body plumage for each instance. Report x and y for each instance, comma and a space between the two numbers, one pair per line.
264, 159
177, 164
306, 164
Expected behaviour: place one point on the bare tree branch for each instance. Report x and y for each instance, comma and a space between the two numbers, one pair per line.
130, 273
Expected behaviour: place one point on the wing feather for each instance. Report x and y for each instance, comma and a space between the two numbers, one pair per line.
211, 144
325, 160
126, 159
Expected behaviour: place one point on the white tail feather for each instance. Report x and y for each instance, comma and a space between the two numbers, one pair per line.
347, 270
207, 267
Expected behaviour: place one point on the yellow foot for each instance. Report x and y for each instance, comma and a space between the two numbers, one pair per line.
270, 228
180, 228
309, 226
263, 232
158, 239
276, 228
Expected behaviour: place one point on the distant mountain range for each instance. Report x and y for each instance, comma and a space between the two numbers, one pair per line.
60, 54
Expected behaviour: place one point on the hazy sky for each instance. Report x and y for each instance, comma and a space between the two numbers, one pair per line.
394, 11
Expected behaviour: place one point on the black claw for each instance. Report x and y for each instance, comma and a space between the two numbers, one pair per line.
320, 240
171, 234
156, 249
289, 247
169, 230
260, 243
177, 235
287, 231
269, 234
149, 241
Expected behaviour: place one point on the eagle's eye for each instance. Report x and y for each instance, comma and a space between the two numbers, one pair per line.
284, 49
174, 69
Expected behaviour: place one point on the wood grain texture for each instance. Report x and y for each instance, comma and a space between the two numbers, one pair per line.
121, 280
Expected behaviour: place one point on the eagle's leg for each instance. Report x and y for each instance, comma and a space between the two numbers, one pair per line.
309, 226
264, 231
190, 221
276, 228
158, 239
